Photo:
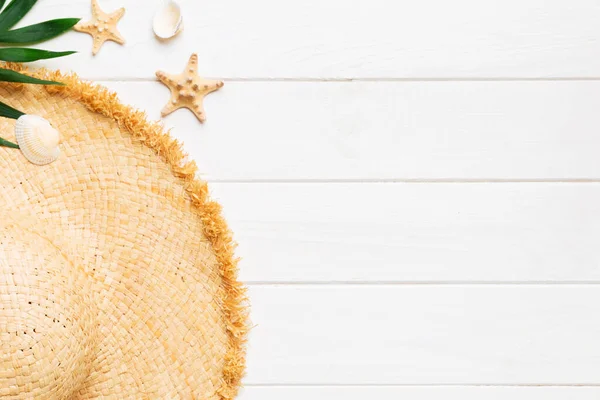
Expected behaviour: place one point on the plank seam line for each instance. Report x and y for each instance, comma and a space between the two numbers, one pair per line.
412, 181
421, 283
355, 79
409, 385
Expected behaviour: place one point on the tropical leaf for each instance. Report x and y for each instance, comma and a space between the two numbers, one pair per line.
6, 143
9, 16
38, 32
14, 12
7, 75
18, 54
9, 112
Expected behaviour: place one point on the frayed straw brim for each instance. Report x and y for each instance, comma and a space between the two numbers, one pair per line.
145, 287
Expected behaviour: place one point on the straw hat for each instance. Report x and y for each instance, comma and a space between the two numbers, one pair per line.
117, 276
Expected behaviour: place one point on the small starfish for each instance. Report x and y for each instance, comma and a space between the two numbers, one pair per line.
102, 27
188, 89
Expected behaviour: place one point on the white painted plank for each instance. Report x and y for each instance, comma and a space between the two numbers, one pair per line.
423, 335
342, 39
420, 393
400, 130
415, 232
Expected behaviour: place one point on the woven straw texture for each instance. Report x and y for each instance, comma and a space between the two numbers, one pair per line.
117, 275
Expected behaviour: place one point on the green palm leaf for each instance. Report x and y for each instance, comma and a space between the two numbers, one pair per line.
6, 143
14, 12
9, 17
38, 32
9, 112
18, 54
7, 75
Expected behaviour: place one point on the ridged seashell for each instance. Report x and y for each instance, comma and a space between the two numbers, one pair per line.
168, 20
37, 139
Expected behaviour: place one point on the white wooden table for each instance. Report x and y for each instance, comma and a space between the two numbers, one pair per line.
415, 185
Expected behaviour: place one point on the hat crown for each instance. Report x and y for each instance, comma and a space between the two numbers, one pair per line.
46, 328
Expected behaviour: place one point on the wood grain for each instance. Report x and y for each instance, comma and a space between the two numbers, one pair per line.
420, 393
415, 232
388, 131
424, 335
331, 39
328, 146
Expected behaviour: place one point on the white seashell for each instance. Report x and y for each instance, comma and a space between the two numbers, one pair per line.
37, 139
168, 20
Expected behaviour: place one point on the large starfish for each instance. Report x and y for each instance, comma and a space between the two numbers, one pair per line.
188, 89
102, 26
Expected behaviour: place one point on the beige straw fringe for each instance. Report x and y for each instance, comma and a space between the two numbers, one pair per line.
234, 298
